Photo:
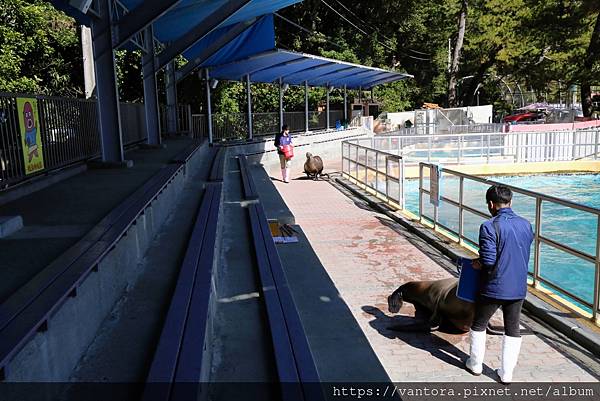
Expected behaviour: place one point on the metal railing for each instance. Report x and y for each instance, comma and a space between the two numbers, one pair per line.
380, 171
539, 200
183, 113
232, 126
511, 147
383, 172
68, 130
133, 123
199, 126
475, 128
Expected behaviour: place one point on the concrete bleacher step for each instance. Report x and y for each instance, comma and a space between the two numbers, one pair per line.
241, 342
273, 204
126, 340
10, 225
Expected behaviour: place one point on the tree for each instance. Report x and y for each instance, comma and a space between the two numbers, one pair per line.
39, 48
592, 57
462, 24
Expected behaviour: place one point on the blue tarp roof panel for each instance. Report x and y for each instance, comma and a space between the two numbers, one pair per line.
317, 71
297, 64
189, 13
252, 51
238, 69
257, 38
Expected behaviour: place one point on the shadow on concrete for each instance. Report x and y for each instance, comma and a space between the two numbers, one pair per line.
340, 348
435, 345
341, 351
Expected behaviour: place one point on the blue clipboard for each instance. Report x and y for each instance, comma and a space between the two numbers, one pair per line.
468, 282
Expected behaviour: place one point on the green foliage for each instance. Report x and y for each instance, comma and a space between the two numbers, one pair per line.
538, 45
39, 49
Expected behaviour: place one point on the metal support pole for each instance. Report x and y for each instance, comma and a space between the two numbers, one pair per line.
489, 145
429, 144
597, 276
537, 242
574, 149
109, 116
249, 93
366, 168
280, 104
171, 89
346, 105
596, 144
461, 212
306, 106
387, 178
208, 108
402, 179
420, 192
327, 110
377, 172
150, 94
435, 211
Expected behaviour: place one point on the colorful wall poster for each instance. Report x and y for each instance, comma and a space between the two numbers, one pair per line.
31, 137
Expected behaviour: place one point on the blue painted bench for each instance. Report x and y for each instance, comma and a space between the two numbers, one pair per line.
27, 310
177, 361
294, 359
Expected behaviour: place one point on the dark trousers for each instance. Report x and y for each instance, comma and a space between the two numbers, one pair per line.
511, 309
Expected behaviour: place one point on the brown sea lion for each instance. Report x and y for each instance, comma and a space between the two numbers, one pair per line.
437, 299
313, 167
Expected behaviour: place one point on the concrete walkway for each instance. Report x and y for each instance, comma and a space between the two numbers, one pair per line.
367, 256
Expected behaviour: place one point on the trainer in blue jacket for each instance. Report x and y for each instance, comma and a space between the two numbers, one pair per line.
504, 248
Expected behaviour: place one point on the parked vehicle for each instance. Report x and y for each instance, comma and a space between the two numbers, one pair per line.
524, 117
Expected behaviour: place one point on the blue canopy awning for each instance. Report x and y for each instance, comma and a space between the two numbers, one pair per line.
187, 14
296, 68
234, 39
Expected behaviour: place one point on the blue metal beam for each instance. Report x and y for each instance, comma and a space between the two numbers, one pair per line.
171, 92
106, 86
201, 30
139, 18
213, 48
150, 94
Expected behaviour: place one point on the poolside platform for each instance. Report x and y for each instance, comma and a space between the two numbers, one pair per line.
367, 255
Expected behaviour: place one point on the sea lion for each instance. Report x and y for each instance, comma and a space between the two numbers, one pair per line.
313, 167
437, 299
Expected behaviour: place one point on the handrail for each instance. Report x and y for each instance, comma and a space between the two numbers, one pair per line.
361, 163
523, 191
539, 238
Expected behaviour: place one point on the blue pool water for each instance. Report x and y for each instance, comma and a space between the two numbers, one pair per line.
565, 225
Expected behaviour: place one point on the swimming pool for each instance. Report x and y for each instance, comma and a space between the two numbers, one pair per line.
570, 227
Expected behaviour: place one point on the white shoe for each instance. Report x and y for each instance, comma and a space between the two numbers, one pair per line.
511, 346
474, 363
286, 175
